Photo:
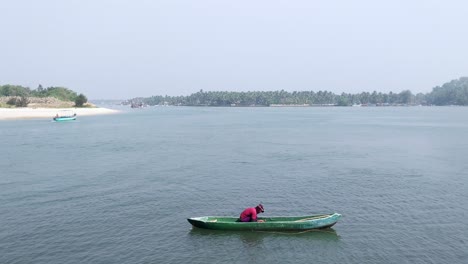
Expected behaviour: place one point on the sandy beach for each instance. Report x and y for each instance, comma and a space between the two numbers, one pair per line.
37, 113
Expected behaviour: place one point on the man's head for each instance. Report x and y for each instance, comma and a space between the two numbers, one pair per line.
259, 208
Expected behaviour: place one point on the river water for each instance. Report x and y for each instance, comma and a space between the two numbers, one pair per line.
118, 188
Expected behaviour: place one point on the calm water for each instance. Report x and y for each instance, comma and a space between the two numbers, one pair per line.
118, 189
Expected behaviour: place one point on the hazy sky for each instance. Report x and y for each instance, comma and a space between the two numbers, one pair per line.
110, 49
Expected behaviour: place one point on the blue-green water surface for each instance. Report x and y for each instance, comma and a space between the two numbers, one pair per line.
118, 188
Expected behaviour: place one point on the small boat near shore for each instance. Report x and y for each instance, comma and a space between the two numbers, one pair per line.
65, 116
282, 223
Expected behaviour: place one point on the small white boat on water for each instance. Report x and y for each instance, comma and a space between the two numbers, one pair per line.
65, 115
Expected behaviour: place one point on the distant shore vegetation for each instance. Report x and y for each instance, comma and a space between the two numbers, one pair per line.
19, 96
451, 93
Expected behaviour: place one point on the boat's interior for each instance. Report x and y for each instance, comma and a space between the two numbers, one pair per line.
215, 219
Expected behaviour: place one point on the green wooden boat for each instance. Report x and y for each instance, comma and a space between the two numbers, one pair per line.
282, 223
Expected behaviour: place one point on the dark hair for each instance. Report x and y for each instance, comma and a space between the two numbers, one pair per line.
259, 208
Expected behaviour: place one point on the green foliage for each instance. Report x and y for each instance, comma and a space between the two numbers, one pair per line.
18, 101
61, 93
405, 97
282, 97
80, 100
12, 101
14, 90
19, 95
22, 101
451, 93
342, 101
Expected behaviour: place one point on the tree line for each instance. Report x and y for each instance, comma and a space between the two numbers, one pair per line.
451, 93
20, 95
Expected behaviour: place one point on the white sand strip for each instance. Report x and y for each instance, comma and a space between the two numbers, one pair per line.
29, 113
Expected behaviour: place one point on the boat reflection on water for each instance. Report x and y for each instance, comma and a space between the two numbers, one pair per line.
252, 238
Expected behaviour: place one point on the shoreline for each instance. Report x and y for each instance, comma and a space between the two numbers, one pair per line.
45, 113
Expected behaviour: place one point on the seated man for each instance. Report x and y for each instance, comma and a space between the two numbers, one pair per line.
250, 214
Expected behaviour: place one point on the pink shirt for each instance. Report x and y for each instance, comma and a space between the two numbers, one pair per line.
249, 213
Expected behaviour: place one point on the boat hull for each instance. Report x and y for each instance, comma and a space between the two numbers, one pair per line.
61, 119
297, 223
